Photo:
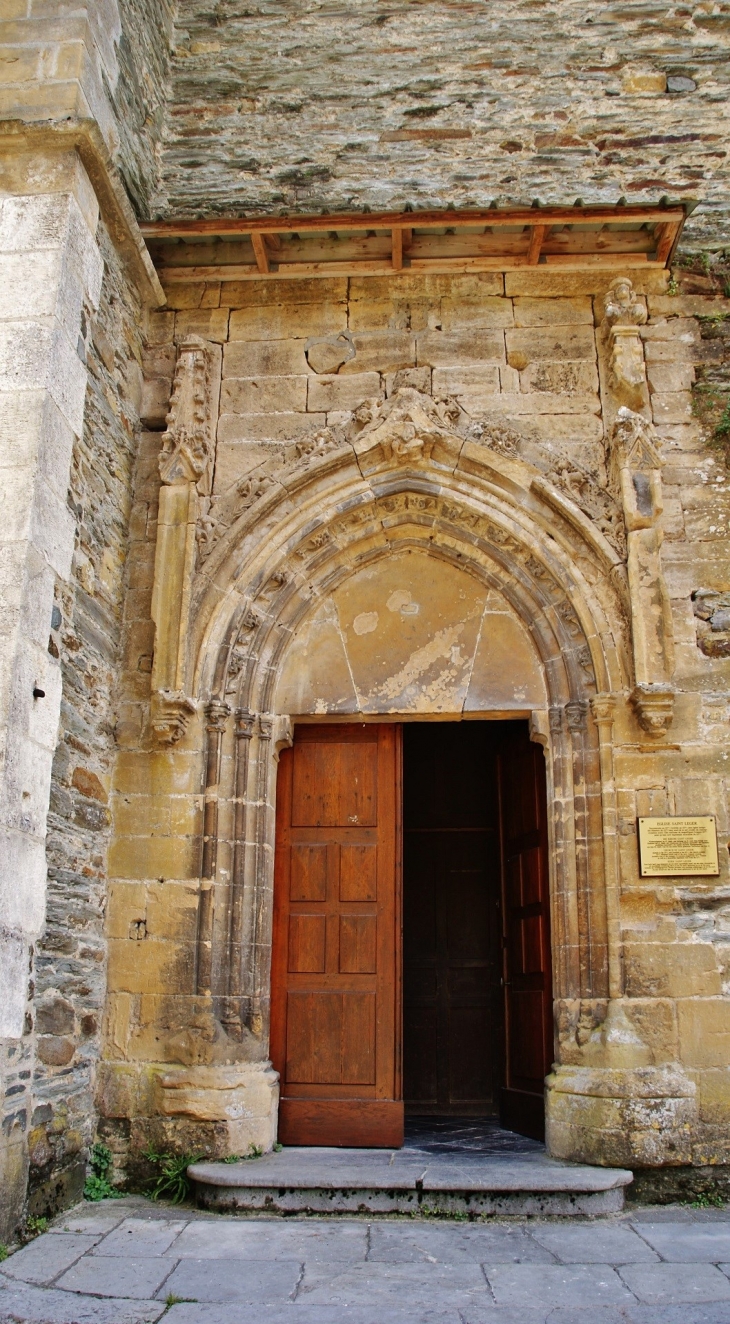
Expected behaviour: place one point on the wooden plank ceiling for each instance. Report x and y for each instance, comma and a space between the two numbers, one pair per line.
573, 238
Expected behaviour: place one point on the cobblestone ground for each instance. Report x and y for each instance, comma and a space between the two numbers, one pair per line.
129, 1262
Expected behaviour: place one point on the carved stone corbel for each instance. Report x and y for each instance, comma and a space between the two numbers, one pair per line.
635, 473
186, 465
624, 314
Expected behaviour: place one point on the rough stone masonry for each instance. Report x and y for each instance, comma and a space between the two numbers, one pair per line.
117, 113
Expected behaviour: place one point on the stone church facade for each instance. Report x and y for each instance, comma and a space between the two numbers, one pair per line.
306, 422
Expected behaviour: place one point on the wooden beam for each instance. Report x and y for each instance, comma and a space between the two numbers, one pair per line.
665, 235
397, 252
273, 242
537, 235
259, 249
407, 233
598, 215
384, 267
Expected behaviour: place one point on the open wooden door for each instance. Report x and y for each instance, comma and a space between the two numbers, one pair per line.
528, 1001
335, 1016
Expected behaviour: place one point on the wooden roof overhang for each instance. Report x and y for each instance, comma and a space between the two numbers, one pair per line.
575, 238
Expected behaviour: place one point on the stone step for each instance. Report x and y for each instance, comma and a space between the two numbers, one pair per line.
408, 1181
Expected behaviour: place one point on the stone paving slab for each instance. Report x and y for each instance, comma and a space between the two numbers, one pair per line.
299, 1313
441, 1286
142, 1237
249, 1281
663, 1284
44, 1259
112, 1275
585, 1285
272, 1239
595, 1243
452, 1244
698, 1243
24, 1304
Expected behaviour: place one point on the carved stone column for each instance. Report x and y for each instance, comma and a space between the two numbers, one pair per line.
186, 462
216, 715
233, 1019
635, 473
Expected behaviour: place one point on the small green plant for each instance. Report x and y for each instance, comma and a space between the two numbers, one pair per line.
4, 1252
254, 1151
172, 1181
232, 1158
278, 1148
172, 1300
97, 1185
707, 1200
33, 1227
673, 286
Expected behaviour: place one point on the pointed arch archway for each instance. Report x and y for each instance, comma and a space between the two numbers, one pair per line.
404, 477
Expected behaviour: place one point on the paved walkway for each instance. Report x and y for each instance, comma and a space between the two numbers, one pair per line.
131, 1262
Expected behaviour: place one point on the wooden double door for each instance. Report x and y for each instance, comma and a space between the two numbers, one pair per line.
411, 953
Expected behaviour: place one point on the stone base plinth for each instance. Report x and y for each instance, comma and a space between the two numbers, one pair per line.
641, 1116
217, 1110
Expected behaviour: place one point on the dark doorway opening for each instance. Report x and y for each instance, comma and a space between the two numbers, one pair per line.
477, 996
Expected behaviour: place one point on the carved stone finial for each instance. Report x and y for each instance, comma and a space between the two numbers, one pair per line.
188, 442
170, 715
622, 308
654, 707
408, 427
634, 442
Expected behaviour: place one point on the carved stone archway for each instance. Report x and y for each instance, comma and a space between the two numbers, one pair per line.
410, 472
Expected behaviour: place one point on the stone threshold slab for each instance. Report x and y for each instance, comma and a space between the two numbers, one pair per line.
319, 1180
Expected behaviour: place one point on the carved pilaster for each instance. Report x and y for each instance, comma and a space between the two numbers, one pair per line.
635, 469
186, 460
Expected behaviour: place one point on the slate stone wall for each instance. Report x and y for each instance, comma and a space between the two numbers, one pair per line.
70, 960
287, 107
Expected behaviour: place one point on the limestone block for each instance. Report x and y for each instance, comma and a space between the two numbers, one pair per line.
419, 379
703, 518
488, 312
153, 857
380, 351
34, 355
160, 327
704, 1031
544, 283
553, 311
570, 378
472, 380
14, 966
155, 401
535, 403
443, 349
183, 295
290, 293
257, 358
287, 321
339, 392
399, 313
676, 330
674, 407
551, 343
687, 305
145, 966
637, 1117
117, 1089
263, 395
670, 377
714, 1087
680, 970
262, 428
245, 1096
209, 323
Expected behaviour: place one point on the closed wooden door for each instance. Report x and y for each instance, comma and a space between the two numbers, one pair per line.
335, 1031
528, 1005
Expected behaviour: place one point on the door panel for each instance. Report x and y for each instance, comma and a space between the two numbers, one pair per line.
335, 1022
526, 934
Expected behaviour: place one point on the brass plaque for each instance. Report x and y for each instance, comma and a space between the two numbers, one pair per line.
677, 847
